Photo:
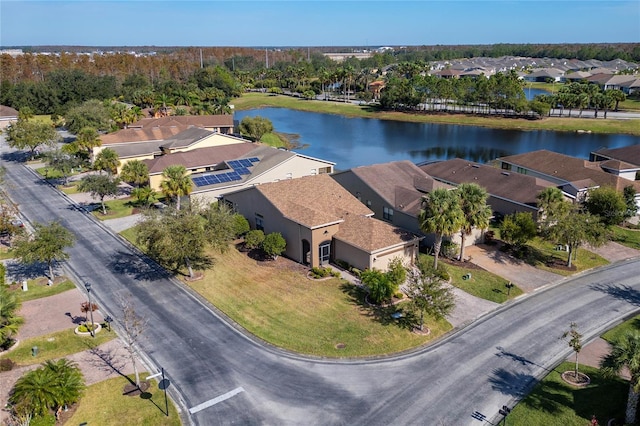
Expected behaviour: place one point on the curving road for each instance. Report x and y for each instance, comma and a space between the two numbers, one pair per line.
225, 377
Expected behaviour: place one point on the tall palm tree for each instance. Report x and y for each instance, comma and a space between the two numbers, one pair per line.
441, 215
626, 353
176, 183
87, 139
475, 211
9, 321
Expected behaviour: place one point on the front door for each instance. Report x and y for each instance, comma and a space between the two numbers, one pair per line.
325, 253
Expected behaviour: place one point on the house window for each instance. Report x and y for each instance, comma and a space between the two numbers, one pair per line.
387, 213
325, 252
521, 170
324, 170
506, 166
259, 222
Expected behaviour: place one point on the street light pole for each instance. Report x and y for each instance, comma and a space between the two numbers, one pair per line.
91, 328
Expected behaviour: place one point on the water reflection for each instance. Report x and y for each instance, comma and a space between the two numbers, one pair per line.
351, 142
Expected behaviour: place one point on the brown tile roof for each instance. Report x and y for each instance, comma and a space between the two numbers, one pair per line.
567, 168
371, 234
141, 134
629, 154
312, 201
498, 183
222, 120
201, 157
6, 111
400, 183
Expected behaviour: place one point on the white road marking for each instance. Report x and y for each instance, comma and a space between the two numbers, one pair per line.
214, 401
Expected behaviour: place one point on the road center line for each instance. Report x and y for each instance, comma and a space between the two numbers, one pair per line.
214, 401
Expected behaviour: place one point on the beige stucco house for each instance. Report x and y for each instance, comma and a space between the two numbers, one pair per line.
322, 222
221, 169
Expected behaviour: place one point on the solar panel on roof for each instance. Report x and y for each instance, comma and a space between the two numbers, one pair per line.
254, 159
233, 163
245, 163
200, 181
223, 178
242, 171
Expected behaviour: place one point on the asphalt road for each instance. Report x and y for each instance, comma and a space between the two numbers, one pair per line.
226, 377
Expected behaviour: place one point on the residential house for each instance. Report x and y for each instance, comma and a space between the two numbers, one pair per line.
147, 143
573, 175
393, 191
508, 192
545, 74
221, 169
8, 116
221, 123
322, 222
623, 162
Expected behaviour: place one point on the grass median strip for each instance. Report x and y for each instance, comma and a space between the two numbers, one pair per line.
39, 288
55, 345
104, 404
555, 402
627, 237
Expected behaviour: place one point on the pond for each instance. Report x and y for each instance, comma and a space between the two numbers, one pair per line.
352, 142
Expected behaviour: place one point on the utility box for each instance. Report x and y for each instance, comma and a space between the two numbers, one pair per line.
34, 351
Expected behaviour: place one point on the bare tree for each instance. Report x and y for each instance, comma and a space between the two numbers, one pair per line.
133, 325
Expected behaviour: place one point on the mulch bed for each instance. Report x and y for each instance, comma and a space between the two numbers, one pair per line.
131, 389
464, 264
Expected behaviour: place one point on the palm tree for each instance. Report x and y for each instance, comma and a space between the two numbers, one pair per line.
86, 140
55, 384
626, 353
145, 195
9, 322
551, 204
176, 183
476, 212
107, 160
441, 215
618, 96
135, 172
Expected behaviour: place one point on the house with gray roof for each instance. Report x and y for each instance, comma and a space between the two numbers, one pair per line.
573, 175
393, 191
8, 116
623, 162
322, 222
508, 192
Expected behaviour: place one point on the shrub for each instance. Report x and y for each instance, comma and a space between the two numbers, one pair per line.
3, 270
344, 265
240, 225
253, 239
396, 273
355, 271
380, 287
449, 249
320, 272
6, 364
274, 244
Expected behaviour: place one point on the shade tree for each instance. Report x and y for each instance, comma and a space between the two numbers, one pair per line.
30, 135
429, 294
47, 244
100, 187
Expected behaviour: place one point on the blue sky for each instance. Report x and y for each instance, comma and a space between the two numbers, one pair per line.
315, 22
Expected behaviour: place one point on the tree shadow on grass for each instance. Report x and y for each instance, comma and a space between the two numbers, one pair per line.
605, 397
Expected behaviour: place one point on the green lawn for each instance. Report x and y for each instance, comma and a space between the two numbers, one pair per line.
613, 335
38, 288
481, 284
275, 140
6, 254
543, 255
259, 100
626, 236
72, 188
56, 345
556, 403
104, 404
116, 209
